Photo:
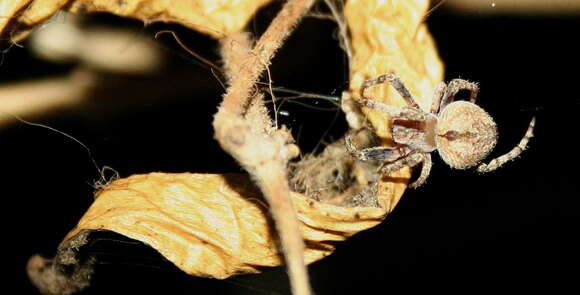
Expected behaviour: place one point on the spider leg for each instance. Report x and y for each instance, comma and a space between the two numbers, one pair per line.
425, 170
378, 153
440, 90
395, 82
410, 160
394, 112
455, 86
515, 152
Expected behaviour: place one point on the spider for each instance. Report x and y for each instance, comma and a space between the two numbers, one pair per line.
461, 131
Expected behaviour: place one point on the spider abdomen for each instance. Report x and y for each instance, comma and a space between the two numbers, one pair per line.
465, 134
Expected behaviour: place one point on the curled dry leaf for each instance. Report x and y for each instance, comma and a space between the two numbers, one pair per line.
390, 36
9, 10
215, 18
215, 225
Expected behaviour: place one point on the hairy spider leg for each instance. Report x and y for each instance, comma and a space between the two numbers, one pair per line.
394, 112
378, 153
396, 83
514, 153
410, 160
440, 90
455, 86
425, 171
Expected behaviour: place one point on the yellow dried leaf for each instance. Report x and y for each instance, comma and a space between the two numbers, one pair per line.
390, 36
216, 18
216, 225
9, 10
213, 225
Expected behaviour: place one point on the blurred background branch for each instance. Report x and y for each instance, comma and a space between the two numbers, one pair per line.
520, 7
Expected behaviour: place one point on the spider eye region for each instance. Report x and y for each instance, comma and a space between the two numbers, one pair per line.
465, 134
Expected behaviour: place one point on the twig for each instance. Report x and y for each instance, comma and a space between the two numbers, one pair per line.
244, 129
41, 96
522, 7
239, 91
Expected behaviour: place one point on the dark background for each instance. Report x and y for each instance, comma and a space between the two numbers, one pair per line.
508, 230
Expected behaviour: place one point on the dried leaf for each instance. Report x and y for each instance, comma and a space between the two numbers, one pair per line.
25, 15
9, 10
215, 225
215, 18
390, 36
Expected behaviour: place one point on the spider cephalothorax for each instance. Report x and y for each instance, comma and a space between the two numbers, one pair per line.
462, 132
